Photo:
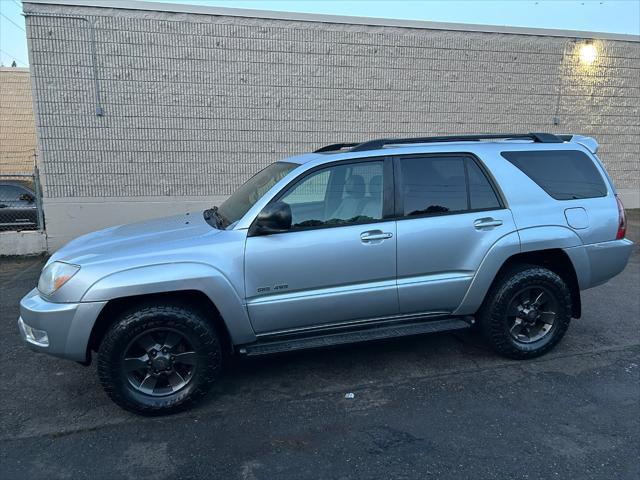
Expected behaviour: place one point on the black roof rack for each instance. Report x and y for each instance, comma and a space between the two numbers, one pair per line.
380, 143
335, 146
565, 137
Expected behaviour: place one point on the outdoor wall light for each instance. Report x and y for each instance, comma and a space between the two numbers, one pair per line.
588, 53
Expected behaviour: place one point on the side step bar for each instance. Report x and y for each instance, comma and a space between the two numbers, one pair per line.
355, 336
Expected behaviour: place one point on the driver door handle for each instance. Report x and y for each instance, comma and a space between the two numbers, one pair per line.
375, 235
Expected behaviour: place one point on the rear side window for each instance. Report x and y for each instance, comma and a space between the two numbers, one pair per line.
440, 185
481, 194
563, 174
433, 185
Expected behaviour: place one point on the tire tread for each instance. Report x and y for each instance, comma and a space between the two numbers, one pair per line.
165, 315
492, 311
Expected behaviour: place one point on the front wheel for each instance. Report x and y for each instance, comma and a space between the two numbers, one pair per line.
526, 313
159, 359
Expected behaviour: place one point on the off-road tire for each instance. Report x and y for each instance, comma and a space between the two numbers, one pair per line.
492, 317
189, 322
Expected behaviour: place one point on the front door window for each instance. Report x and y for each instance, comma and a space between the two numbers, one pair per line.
338, 195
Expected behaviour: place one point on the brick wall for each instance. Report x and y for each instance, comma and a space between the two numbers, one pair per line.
17, 123
194, 104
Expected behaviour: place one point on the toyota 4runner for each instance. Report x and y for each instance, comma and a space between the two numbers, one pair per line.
353, 242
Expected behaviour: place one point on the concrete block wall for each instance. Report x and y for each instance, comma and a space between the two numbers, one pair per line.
196, 103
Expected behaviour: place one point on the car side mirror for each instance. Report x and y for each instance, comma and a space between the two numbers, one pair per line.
274, 218
26, 197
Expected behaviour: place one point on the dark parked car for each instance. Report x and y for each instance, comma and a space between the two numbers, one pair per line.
18, 210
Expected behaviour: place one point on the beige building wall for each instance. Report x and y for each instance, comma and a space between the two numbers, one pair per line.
17, 122
195, 100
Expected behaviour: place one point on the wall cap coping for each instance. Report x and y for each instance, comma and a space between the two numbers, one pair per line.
338, 19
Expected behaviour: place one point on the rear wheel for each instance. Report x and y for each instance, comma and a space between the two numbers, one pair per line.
526, 313
159, 359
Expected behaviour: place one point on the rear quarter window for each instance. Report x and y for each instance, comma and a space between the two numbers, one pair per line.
563, 174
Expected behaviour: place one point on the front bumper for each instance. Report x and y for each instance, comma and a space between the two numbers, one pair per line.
67, 325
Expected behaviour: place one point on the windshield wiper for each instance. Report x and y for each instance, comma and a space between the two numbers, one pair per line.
213, 213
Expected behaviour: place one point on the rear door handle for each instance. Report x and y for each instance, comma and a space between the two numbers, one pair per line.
486, 223
375, 235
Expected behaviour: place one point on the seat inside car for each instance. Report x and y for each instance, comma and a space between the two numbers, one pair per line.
351, 204
372, 205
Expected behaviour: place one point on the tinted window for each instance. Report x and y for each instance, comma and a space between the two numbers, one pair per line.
338, 195
481, 194
433, 185
563, 174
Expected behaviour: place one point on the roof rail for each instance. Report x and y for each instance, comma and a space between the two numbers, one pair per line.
335, 146
536, 137
380, 143
566, 137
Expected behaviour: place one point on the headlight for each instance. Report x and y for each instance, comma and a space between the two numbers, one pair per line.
55, 275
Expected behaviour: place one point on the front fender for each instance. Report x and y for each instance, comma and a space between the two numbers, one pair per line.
172, 277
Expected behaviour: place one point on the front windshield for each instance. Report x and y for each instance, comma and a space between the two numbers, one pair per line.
240, 201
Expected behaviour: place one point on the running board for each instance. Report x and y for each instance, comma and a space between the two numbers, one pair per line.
356, 336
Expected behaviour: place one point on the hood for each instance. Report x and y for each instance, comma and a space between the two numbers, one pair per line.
136, 239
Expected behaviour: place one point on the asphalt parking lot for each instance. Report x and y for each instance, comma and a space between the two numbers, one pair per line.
439, 406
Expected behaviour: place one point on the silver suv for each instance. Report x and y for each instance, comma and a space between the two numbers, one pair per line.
353, 242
